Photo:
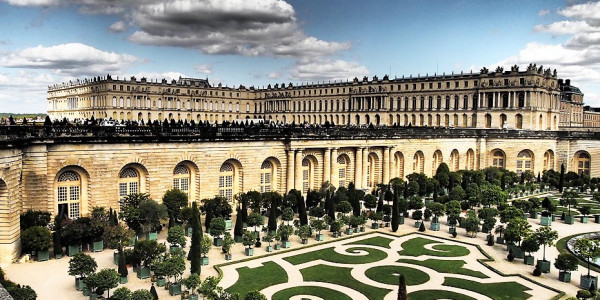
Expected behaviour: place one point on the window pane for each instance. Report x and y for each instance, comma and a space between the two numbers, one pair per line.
62, 193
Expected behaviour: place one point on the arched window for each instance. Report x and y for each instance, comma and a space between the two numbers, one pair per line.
518, 121
437, 160
129, 183
181, 178
524, 162
419, 162
399, 164
226, 174
454, 160
470, 159
549, 160
69, 194
372, 170
498, 159
488, 121
266, 177
582, 161
306, 175
342, 164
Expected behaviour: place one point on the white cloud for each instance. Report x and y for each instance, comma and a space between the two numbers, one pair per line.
544, 12
274, 75
566, 27
74, 59
24, 91
43, 3
118, 26
323, 69
204, 69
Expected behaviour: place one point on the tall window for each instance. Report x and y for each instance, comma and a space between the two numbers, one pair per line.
419, 162
181, 178
548, 160
226, 181
399, 164
370, 171
306, 175
266, 177
437, 160
498, 159
519, 121
69, 194
583, 163
454, 160
524, 162
341, 164
129, 183
470, 159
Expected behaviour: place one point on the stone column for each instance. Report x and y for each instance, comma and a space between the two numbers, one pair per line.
386, 165
290, 169
334, 168
358, 168
365, 163
298, 170
327, 165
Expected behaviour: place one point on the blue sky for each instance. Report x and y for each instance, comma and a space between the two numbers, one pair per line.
268, 41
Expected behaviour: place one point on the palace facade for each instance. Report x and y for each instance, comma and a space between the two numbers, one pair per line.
509, 119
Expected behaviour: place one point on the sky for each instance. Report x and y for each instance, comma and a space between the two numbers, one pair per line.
260, 42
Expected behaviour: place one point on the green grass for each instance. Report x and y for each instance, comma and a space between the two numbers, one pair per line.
561, 246
496, 291
445, 266
318, 291
258, 278
342, 276
374, 241
328, 254
438, 294
390, 274
416, 247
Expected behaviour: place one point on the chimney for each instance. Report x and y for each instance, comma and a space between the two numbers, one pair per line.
568, 82
560, 82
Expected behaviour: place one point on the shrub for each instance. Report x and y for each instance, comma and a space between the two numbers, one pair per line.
510, 256
422, 227
36, 238
537, 271
454, 234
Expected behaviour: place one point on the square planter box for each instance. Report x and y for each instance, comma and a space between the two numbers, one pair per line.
94, 296
218, 241
123, 280
133, 240
355, 230
546, 221
335, 234
173, 248
72, 250
585, 281
544, 265
98, 246
320, 237
193, 297
533, 215
152, 236
238, 238
143, 273
597, 218
228, 224
161, 282
362, 229
400, 220
304, 241
349, 231
584, 219
375, 225
286, 244
500, 240
516, 251
188, 231
569, 220
269, 249
175, 289
418, 224
249, 251
43, 255
277, 247
79, 284
452, 230
528, 260
227, 256
564, 276
435, 226
58, 256
205, 261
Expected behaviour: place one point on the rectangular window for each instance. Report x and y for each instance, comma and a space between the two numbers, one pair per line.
122, 189
176, 183
447, 85
456, 84
422, 86
133, 188
439, 85
62, 193
74, 193
522, 81
73, 210
430, 85
184, 184
466, 84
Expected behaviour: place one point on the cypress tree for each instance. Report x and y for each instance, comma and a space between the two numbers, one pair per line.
238, 230
244, 209
302, 211
331, 206
503, 182
539, 179
273, 217
402, 293
561, 181
122, 266
194, 254
57, 234
380, 201
395, 211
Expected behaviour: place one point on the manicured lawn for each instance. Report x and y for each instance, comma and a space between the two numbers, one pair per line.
416, 247
321, 292
561, 246
390, 274
258, 278
438, 294
497, 291
374, 241
445, 266
342, 276
328, 254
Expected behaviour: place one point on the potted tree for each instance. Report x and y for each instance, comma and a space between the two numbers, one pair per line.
217, 228
585, 211
123, 272
284, 232
516, 230
437, 209
499, 230
37, 240
249, 242
81, 265
318, 225
175, 270
205, 245
546, 219
176, 238
56, 238
269, 239
304, 233
472, 223
335, 227
376, 218
192, 282
588, 249
569, 198
102, 281
566, 262
145, 252
529, 244
98, 222
417, 215
277, 238
545, 237
160, 271
228, 241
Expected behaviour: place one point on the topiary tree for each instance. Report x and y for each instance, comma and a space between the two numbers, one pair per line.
585, 210
545, 236
82, 265
566, 262
57, 246
36, 239
192, 282
255, 295
122, 293
104, 280
205, 245
255, 220
148, 250
588, 249
569, 198
302, 211
370, 201
516, 230
217, 227
402, 292
176, 236
530, 244
472, 223
287, 215
123, 272
248, 239
142, 295
174, 200
437, 209
194, 254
